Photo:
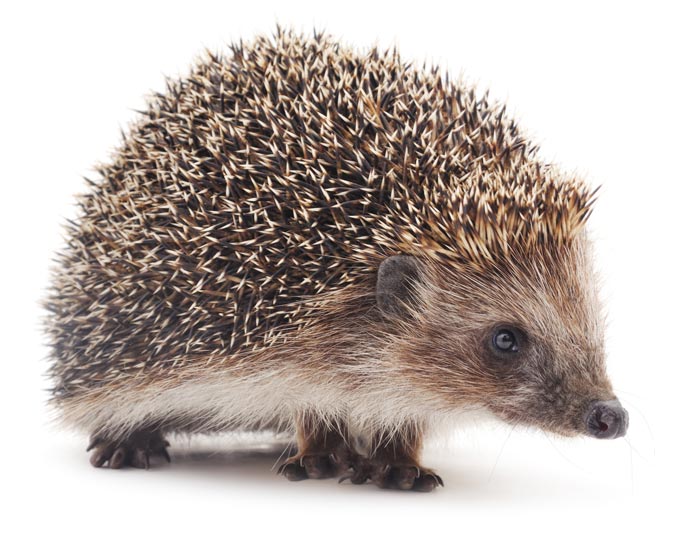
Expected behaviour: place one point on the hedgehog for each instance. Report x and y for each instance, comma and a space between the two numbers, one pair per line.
302, 237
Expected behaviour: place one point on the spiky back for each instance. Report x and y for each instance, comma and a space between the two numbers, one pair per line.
271, 176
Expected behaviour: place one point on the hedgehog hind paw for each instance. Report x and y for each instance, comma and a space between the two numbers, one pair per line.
134, 451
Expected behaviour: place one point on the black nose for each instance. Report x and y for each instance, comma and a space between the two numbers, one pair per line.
606, 419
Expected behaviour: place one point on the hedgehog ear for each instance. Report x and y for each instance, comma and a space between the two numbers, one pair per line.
395, 280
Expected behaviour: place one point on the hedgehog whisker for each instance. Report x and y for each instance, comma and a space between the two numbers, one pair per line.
500, 452
566, 458
646, 424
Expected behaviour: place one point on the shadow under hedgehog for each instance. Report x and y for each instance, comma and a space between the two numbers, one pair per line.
301, 237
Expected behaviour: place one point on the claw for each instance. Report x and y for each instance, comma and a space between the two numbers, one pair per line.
427, 482
93, 443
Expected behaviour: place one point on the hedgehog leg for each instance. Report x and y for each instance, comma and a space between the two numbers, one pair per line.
322, 452
135, 450
394, 464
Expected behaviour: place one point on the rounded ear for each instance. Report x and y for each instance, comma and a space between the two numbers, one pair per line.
395, 279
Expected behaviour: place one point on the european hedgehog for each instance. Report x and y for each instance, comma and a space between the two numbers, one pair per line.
301, 237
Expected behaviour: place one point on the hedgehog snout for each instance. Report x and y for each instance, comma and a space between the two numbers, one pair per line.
606, 419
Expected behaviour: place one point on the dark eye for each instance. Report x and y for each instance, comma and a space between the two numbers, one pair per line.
505, 341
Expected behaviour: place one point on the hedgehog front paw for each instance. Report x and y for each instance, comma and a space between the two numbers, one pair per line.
312, 466
402, 476
134, 451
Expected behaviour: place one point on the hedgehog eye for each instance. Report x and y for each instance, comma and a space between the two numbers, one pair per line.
505, 341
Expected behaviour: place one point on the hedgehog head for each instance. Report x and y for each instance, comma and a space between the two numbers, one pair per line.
505, 315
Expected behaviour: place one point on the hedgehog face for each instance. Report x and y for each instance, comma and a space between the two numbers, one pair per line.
522, 339
535, 337
553, 379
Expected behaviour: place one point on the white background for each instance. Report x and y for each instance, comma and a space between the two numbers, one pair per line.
609, 90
